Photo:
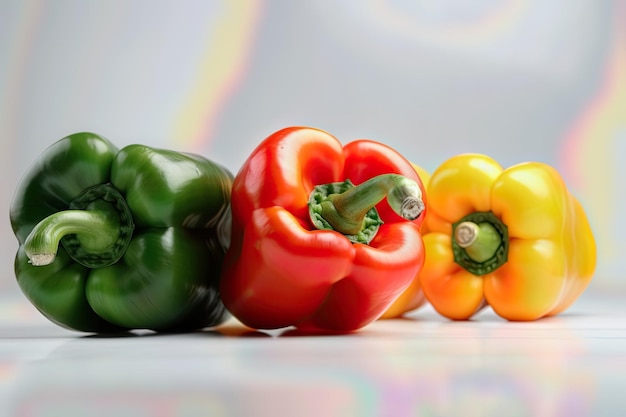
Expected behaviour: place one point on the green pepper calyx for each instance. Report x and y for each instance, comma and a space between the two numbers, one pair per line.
95, 230
480, 242
351, 210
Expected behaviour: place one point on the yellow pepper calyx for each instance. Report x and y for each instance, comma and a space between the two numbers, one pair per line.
480, 242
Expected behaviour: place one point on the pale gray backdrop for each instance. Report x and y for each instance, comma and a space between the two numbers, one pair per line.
518, 80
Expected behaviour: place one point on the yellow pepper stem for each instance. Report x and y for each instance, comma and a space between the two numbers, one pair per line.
480, 242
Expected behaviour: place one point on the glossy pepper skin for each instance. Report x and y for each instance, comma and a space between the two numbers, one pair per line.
536, 251
112, 240
280, 270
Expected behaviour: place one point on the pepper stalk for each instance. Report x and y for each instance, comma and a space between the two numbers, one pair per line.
351, 210
95, 231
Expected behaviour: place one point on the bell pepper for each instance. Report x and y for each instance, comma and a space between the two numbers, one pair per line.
413, 297
324, 237
112, 240
513, 239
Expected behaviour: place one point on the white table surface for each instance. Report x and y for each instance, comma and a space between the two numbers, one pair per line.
570, 365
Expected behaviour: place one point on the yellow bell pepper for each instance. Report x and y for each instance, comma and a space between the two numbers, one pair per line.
413, 297
514, 239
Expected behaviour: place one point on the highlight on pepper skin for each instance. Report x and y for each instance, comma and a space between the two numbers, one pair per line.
513, 239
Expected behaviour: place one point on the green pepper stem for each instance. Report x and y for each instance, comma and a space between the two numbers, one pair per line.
345, 212
480, 241
97, 231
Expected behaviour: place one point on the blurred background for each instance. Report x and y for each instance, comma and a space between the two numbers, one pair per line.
517, 80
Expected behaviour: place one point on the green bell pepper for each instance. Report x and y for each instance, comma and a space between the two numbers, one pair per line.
113, 240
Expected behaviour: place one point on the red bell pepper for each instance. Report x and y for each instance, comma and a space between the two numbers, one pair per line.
281, 271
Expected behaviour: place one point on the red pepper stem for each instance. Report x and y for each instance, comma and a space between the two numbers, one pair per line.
97, 230
346, 212
480, 241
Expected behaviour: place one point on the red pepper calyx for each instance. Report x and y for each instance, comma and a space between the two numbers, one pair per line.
351, 210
